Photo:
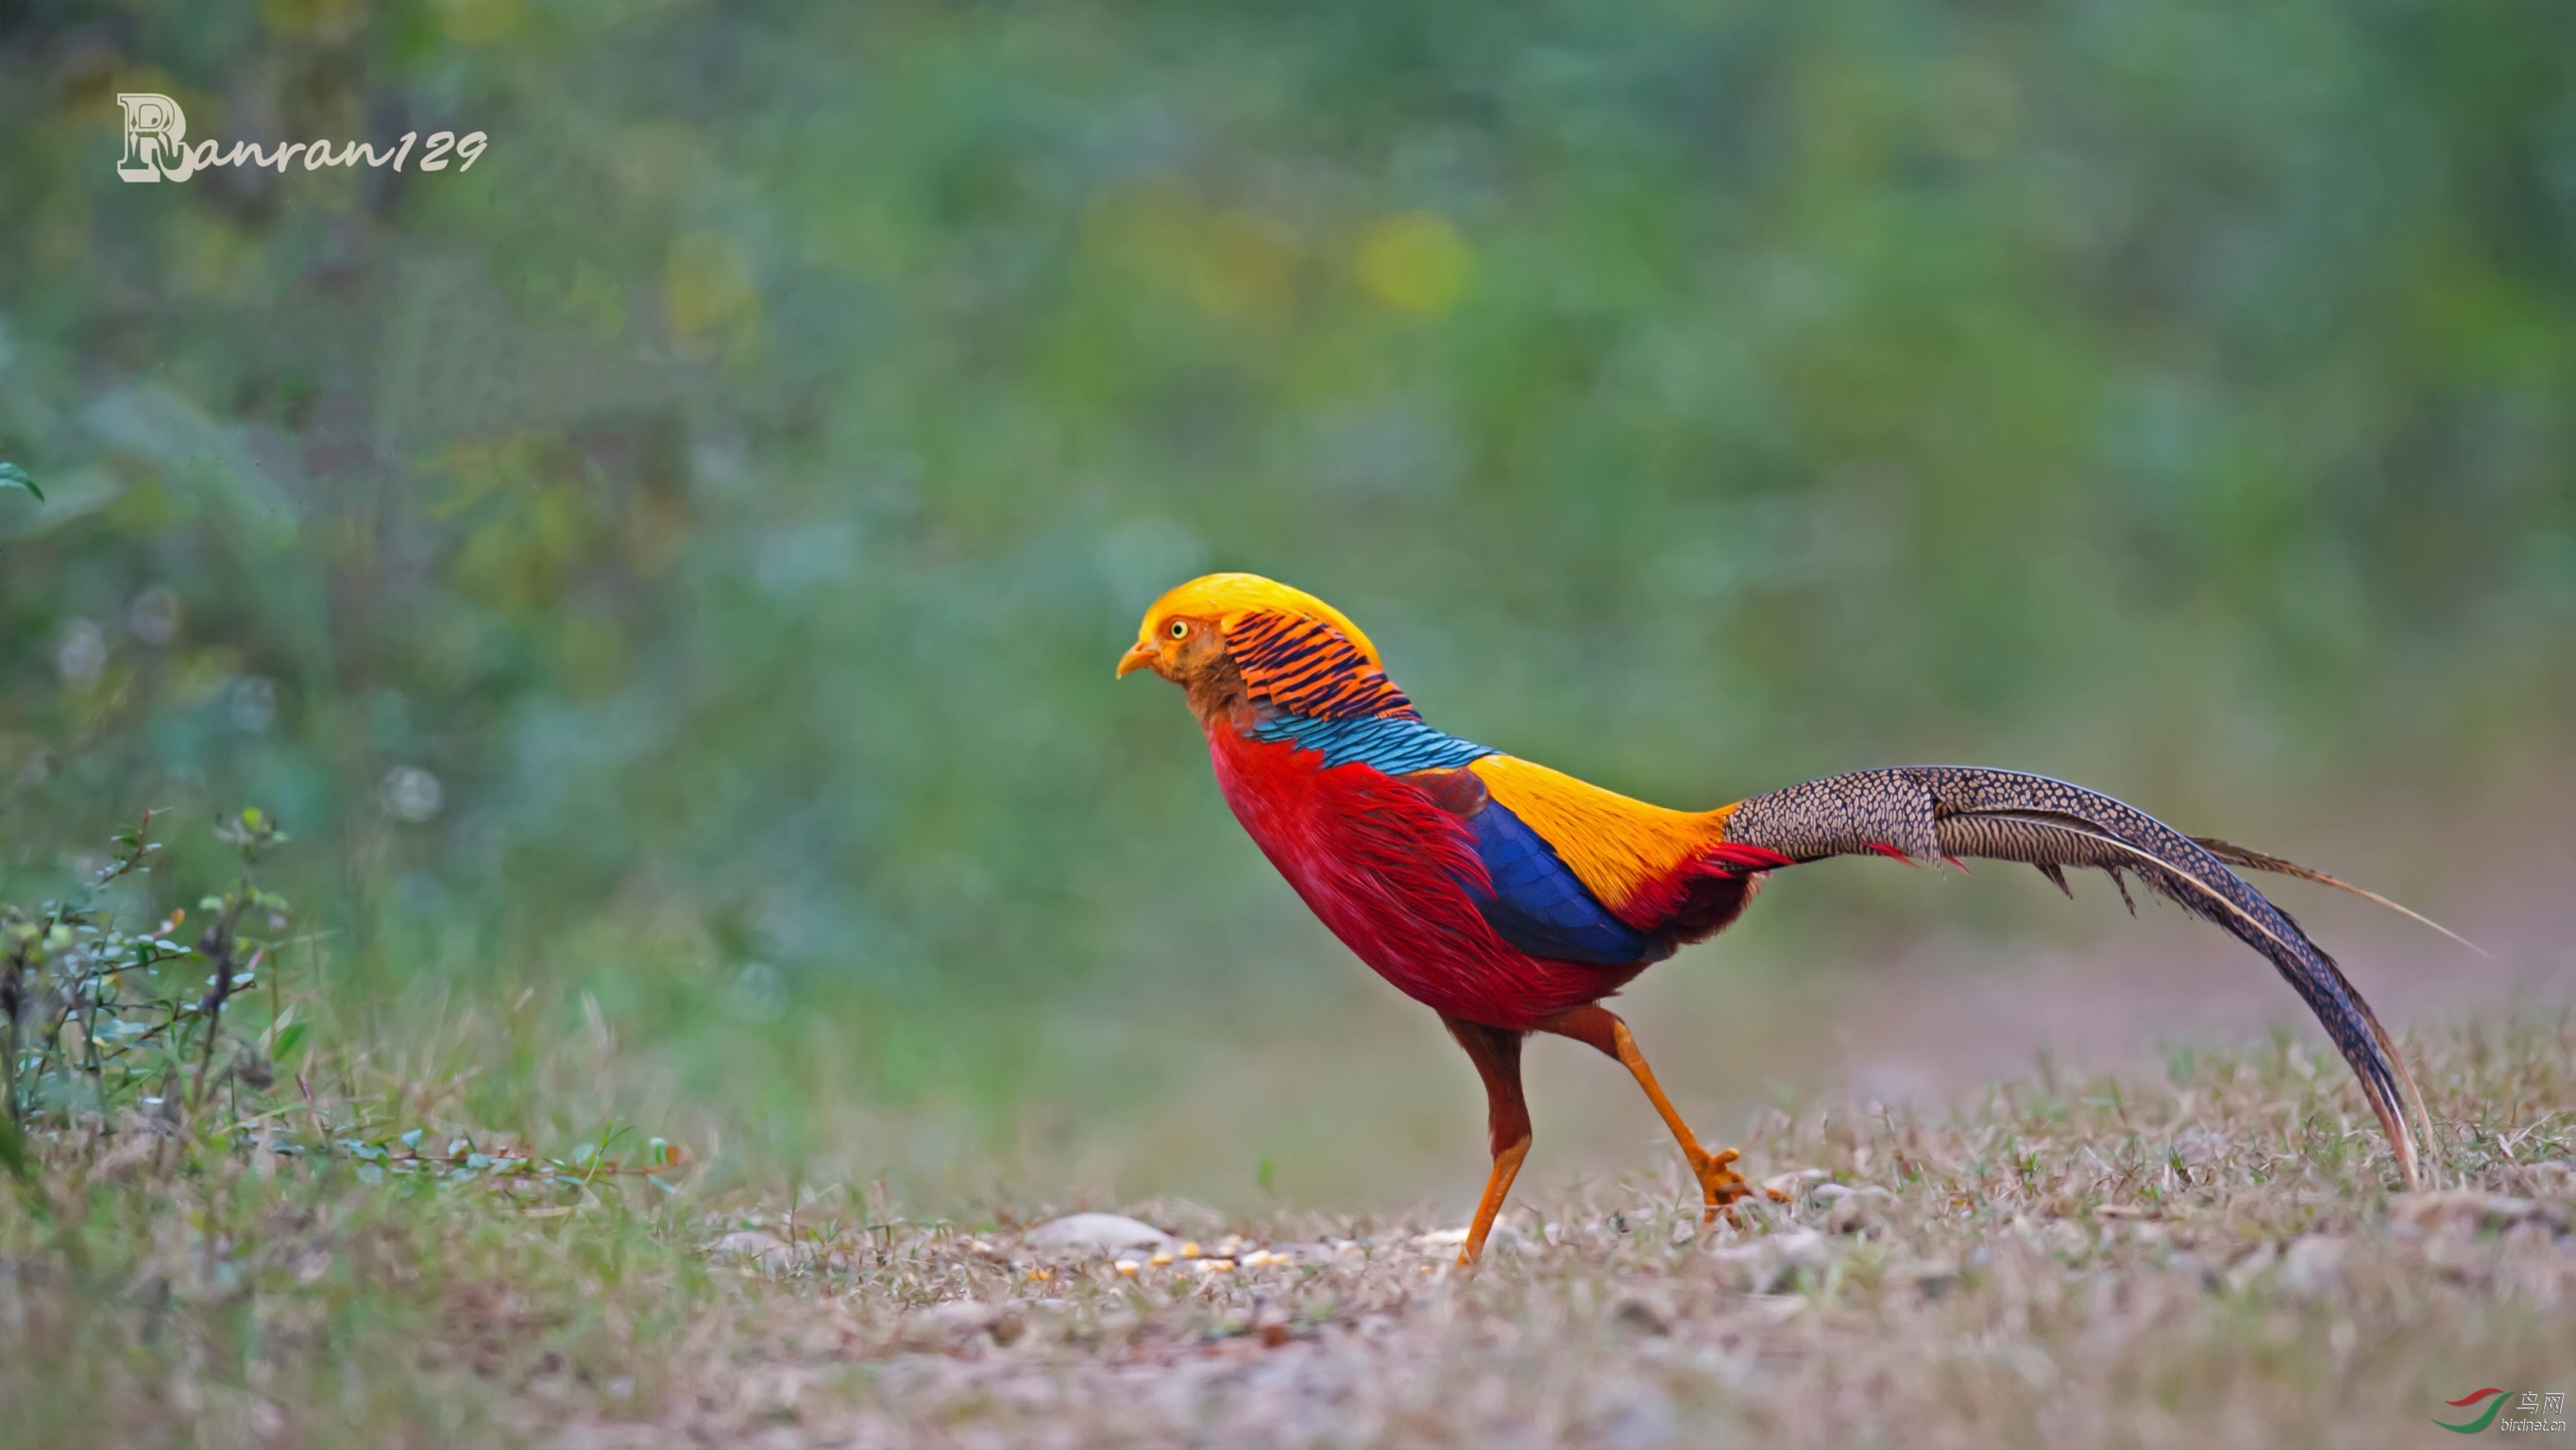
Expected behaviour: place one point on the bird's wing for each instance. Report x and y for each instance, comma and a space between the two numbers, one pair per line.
1582, 874
1944, 812
1530, 897
1671, 873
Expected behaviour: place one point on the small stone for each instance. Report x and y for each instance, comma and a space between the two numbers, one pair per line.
1803, 1250
2251, 1267
1500, 1236
2185, 1263
1795, 1181
1838, 1192
960, 1315
1096, 1233
2314, 1264
1851, 1214
1636, 1316
2469, 1211
1775, 1263
959, 1321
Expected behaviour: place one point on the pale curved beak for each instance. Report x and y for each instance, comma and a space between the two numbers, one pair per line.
1138, 656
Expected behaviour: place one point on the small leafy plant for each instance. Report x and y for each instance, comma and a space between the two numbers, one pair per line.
102, 1021
182, 1031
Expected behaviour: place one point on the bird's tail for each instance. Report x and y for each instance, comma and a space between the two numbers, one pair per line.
2246, 858
1944, 812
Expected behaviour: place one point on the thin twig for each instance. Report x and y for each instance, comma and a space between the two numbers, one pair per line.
11, 992
218, 944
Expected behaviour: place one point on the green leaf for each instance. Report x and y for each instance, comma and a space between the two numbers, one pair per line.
289, 1038
12, 476
13, 1150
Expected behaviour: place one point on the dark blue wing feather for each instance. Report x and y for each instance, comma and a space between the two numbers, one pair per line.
1541, 907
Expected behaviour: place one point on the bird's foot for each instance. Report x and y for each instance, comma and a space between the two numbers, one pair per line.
1722, 1187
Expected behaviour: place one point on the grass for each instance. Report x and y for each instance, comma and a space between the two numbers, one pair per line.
2213, 1257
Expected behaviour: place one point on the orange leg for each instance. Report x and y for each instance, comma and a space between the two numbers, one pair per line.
1599, 1027
1497, 1055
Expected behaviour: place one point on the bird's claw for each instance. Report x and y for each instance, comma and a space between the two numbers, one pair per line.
1722, 1187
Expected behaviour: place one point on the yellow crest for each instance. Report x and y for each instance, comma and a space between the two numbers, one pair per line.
1226, 598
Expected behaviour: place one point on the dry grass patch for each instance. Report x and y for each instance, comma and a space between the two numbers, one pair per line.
2214, 1257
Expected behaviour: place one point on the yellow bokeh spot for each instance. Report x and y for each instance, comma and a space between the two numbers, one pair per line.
1416, 262
708, 293
523, 555
480, 22
309, 19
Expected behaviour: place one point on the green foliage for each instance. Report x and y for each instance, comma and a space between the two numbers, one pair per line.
118, 1034
12, 476
104, 1022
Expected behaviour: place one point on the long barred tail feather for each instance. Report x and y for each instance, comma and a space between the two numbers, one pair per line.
1929, 812
2246, 858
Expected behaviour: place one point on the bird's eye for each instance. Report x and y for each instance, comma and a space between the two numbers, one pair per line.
1180, 629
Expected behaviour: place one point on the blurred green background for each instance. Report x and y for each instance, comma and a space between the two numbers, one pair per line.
668, 575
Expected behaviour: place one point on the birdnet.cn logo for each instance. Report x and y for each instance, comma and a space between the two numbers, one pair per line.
2532, 1411
157, 149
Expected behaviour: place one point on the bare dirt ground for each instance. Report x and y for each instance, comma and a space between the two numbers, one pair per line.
2215, 1254
2210, 1260
2141, 1244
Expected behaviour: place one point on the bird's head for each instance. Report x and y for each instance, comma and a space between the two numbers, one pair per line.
1189, 635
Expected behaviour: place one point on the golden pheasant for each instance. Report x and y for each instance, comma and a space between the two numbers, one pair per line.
1511, 898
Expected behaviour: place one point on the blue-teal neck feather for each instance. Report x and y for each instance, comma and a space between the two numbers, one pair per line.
1394, 745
